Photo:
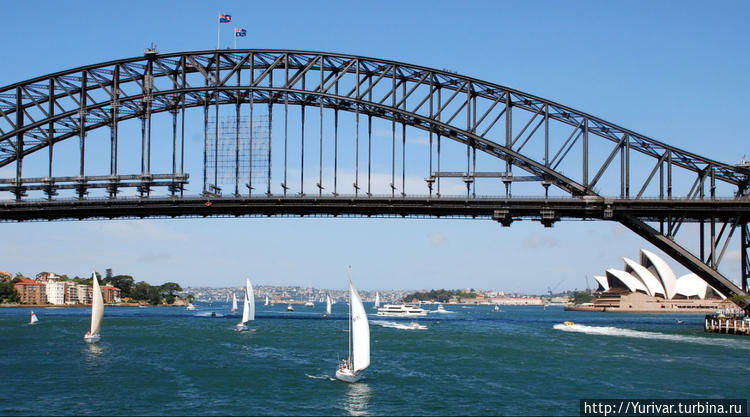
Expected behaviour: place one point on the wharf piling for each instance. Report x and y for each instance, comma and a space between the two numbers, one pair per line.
729, 324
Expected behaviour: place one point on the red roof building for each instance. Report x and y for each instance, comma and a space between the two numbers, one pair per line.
31, 292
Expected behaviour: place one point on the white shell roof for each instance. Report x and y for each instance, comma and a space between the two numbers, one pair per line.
602, 281
663, 272
641, 272
631, 282
691, 285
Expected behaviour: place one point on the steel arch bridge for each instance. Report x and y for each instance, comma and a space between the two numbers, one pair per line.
473, 144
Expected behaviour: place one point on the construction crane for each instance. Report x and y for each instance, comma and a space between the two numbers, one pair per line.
549, 290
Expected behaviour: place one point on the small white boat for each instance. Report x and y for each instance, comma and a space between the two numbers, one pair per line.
401, 310
234, 303
33, 318
289, 308
497, 307
377, 300
97, 313
266, 301
190, 307
328, 307
248, 309
350, 370
309, 304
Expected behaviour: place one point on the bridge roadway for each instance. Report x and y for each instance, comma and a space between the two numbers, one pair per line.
504, 210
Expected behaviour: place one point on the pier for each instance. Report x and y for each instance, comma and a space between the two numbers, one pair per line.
729, 324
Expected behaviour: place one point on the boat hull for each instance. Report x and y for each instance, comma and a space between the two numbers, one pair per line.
92, 338
394, 314
347, 375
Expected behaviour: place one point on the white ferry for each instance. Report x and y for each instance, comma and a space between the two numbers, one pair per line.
401, 310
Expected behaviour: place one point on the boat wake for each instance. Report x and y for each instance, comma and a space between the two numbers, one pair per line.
320, 377
616, 331
393, 325
208, 314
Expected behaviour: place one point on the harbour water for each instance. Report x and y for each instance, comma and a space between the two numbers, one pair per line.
470, 361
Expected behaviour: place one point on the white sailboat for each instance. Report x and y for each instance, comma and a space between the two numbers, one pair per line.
33, 318
234, 303
328, 307
248, 310
97, 313
266, 301
377, 299
350, 370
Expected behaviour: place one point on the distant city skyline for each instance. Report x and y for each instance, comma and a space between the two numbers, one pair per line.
674, 72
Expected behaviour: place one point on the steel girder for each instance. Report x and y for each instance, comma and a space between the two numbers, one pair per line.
38, 113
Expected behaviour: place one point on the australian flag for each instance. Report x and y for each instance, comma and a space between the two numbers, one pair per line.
225, 18
239, 32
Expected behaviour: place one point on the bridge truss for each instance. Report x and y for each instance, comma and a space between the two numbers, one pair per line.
357, 128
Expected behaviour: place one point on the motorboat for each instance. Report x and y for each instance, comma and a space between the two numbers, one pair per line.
401, 310
289, 308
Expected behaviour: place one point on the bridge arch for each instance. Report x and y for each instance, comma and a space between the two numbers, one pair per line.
484, 117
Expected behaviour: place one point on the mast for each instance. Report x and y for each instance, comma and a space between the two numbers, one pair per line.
350, 319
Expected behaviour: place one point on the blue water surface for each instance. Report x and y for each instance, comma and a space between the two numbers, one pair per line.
470, 361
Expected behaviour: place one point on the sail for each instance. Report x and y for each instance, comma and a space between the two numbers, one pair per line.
360, 332
97, 307
248, 311
328, 305
266, 300
33, 318
234, 302
377, 299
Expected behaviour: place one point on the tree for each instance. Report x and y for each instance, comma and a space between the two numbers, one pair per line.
168, 289
8, 292
580, 297
123, 282
140, 291
154, 295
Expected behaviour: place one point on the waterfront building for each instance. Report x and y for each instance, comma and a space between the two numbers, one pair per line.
71, 292
55, 291
111, 294
652, 286
46, 276
84, 293
31, 292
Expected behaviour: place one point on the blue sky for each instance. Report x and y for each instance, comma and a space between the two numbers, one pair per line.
674, 71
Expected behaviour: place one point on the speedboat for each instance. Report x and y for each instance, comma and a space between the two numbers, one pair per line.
401, 310
289, 308
309, 304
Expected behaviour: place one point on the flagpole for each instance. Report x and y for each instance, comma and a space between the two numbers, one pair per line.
218, 31
235, 39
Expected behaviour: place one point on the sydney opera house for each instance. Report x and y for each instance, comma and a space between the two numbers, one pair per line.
652, 286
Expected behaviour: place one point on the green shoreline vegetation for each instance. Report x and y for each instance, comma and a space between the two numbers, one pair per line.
440, 295
131, 292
